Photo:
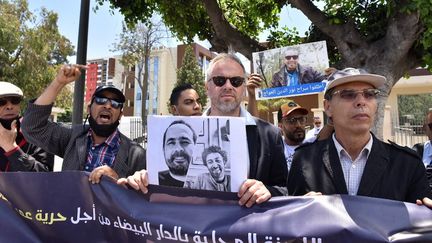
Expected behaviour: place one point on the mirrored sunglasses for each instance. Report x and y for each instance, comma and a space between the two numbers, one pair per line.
221, 80
13, 100
350, 94
103, 100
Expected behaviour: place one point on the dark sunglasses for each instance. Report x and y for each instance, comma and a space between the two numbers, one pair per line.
294, 120
295, 57
430, 126
221, 80
103, 100
14, 100
350, 94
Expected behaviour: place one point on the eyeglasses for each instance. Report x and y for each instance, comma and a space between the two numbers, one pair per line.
14, 100
295, 57
350, 94
294, 120
103, 100
221, 80
430, 126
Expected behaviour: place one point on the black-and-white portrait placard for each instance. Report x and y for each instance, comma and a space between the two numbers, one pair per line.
207, 153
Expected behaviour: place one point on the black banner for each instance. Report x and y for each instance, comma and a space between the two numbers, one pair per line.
65, 207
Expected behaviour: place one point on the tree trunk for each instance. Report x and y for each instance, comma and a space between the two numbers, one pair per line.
144, 90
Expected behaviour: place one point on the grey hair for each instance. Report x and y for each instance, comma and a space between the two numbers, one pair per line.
224, 56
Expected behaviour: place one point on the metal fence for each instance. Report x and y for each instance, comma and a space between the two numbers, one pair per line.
408, 131
132, 128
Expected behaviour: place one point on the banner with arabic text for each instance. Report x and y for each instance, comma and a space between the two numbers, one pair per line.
65, 207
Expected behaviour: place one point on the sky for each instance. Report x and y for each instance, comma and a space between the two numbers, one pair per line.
105, 27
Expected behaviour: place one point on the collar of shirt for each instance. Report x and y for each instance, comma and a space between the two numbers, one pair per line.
427, 152
250, 121
339, 147
111, 141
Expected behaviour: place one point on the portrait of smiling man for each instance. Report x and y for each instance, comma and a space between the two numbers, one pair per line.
179, 141
216, 179
99, 148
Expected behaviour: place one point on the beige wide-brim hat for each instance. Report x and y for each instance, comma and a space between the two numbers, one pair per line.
349, 75
8, 89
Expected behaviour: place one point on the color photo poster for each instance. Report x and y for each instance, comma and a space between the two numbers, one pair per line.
206, 153
292, 70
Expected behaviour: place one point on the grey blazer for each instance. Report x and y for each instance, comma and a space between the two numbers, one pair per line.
71, 143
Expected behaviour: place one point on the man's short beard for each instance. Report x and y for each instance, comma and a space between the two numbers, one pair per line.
180, 169
227, 107
294, 138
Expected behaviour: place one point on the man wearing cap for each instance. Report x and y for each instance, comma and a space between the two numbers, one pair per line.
353, 161
292, 120
16, 154
99, 148
292, 73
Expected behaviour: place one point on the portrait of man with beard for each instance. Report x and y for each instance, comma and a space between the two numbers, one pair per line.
179, 141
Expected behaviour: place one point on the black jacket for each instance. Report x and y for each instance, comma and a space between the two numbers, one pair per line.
27, 157
391, 172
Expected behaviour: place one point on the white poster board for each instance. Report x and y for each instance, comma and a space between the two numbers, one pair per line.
180, 142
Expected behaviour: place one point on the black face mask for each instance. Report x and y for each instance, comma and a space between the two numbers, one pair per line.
104, 130
7, 123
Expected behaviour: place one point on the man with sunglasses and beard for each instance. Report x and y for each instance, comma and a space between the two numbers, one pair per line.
292, 73
353, 161
267, 167
292, 120
16, 154
179, 140
99, 148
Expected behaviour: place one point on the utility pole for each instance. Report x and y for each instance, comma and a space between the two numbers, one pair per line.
78, 101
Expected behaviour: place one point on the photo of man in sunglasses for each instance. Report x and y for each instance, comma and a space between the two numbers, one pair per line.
99, 148
16, 154
352, 160
292, 73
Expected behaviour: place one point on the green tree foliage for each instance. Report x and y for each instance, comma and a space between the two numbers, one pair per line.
31, 49
190, 72
415, 106
386, 37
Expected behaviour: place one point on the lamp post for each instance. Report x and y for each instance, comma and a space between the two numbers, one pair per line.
78, 101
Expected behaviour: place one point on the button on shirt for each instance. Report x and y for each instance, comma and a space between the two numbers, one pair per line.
427, 153
102, 154
353, 170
